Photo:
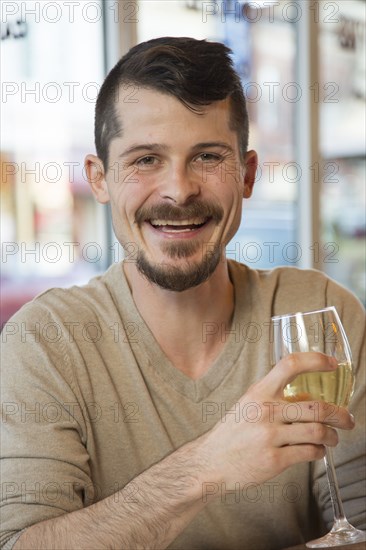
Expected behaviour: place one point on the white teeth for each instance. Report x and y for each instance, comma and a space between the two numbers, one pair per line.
195, 221
185, 230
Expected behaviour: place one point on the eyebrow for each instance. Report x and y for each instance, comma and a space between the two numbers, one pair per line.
208, 144
143, 147
160, 147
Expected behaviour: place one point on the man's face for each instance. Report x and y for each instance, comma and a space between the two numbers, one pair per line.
175, 183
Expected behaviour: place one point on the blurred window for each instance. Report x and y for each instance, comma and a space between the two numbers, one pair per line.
53, 232
262, 37
342, 142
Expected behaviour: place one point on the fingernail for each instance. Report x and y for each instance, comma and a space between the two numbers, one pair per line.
333, 362
352, 418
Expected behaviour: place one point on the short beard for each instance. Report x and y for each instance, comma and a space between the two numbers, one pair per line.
179, 278
171, 277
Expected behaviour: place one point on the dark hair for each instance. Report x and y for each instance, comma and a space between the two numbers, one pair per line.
196, 72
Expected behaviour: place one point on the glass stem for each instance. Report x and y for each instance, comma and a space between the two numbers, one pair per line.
339, 517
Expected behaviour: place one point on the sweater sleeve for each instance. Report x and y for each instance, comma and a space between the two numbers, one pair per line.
350, 454
44, 468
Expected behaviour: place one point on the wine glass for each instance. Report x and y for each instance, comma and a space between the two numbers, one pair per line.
320, 331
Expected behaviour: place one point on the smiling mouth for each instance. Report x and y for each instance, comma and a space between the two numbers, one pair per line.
178, 226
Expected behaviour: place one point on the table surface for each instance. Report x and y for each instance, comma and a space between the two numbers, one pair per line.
357, 546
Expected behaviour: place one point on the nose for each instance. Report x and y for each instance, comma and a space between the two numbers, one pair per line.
180, 184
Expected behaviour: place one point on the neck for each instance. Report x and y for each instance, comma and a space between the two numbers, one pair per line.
181, 321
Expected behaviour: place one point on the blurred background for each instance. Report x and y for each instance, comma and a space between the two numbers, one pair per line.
303, 69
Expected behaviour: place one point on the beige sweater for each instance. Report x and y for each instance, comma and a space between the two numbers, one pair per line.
90, 401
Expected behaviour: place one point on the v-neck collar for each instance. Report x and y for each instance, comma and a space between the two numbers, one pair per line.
152, 360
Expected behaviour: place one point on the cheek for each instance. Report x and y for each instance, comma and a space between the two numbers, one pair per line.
121, 194
119, 213
234, 212
230, 182
230, 195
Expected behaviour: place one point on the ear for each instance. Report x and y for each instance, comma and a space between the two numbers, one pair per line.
251, 164
96, 178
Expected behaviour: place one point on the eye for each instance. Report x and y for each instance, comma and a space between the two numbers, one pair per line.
146, 161
209, 158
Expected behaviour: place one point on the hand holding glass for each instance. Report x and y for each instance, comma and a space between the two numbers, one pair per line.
320, 331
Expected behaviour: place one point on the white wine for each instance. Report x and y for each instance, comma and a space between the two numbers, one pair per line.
333, 387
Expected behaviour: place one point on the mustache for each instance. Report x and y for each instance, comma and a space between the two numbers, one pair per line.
165, 211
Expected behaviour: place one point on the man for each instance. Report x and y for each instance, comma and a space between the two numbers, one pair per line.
142, 410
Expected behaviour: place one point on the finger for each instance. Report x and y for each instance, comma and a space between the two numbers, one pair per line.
294, 364
317, 411
308, 433
295, 454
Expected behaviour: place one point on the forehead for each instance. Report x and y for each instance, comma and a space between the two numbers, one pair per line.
149, 114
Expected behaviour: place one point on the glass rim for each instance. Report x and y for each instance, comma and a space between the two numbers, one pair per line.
295, 314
